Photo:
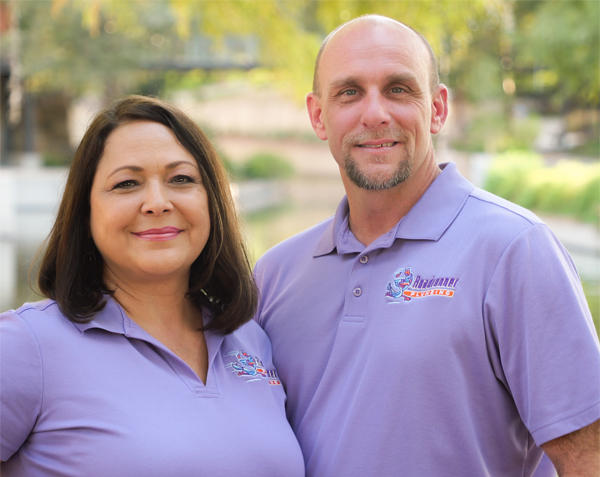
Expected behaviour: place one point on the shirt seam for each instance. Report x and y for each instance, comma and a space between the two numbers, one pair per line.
503, 207
8, 446
37, 345
581, 410
504, 253
33, 307
493, 318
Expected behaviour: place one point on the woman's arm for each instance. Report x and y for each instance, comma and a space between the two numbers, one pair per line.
20, 381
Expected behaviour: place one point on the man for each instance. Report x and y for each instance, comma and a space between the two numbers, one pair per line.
429, 328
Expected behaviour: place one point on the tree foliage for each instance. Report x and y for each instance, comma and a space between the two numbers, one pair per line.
72, 47
558, 50
544, 47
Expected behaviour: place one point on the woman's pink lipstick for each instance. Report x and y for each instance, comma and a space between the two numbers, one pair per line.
159, 235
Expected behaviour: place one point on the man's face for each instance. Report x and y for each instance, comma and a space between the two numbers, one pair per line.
375, 107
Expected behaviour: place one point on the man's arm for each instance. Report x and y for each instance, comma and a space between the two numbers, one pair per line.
576, 454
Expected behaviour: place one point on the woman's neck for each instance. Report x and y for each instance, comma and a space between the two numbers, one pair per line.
164, 312
155, 305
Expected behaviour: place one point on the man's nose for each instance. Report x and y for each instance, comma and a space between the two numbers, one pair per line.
375, 113
156, 199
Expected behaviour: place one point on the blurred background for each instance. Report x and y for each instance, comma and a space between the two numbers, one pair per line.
524, 121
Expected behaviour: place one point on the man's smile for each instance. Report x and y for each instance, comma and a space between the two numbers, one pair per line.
385, 144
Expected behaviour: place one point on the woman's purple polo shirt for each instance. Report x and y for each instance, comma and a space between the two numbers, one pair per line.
105, 398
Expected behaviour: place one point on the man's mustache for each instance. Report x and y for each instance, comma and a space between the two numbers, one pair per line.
388, 133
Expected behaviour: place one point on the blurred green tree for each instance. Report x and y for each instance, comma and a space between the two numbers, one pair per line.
89, 46
557, 51
75, 45
487, 49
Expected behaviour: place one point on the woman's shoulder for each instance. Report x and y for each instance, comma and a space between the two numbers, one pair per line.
42, 317
42, 307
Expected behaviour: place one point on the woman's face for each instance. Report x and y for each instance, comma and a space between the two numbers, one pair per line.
149, 209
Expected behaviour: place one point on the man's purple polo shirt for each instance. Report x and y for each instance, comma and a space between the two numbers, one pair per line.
106, 399
451, 345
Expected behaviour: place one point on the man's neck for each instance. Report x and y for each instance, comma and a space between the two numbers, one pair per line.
373, 213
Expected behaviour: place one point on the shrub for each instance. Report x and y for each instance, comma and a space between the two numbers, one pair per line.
494, 132
569, 187
508, 175
56, 160
235, 170
267, 166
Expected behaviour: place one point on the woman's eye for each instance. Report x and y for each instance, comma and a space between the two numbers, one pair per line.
182, 179
125, 184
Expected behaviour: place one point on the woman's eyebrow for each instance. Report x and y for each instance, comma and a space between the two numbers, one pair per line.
173, 165
131, 168
169, 166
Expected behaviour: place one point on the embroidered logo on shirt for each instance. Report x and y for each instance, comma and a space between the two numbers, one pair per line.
248, 366
404, 286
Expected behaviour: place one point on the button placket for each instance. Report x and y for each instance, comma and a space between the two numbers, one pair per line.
355, 306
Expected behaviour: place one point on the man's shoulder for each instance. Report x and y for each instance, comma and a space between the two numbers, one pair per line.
296, 247
487, 206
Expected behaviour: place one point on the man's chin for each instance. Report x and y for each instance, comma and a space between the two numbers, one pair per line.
377, 177
378, 181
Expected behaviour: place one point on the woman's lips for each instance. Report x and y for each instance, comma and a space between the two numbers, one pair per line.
166, 233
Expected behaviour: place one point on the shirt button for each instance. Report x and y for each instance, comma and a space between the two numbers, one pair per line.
364, 259
357, 291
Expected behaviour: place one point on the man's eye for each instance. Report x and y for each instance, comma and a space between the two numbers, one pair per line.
182, 179
350, 92
125, 184
397, 90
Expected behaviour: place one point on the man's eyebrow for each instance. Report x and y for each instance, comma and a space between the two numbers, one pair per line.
404, 78
169, 166
401, 78
344, 82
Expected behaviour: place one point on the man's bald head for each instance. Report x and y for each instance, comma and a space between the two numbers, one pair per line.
434, 78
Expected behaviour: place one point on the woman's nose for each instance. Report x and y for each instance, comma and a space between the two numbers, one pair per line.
156, 199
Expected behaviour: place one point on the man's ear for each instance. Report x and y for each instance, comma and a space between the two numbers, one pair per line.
315, 113
439, 109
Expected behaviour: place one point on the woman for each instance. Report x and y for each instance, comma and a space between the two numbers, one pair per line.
143, 360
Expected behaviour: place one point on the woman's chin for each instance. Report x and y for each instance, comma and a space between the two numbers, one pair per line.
151, 273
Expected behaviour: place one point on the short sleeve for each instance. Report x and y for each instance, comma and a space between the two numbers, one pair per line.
20, 383
544, 335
